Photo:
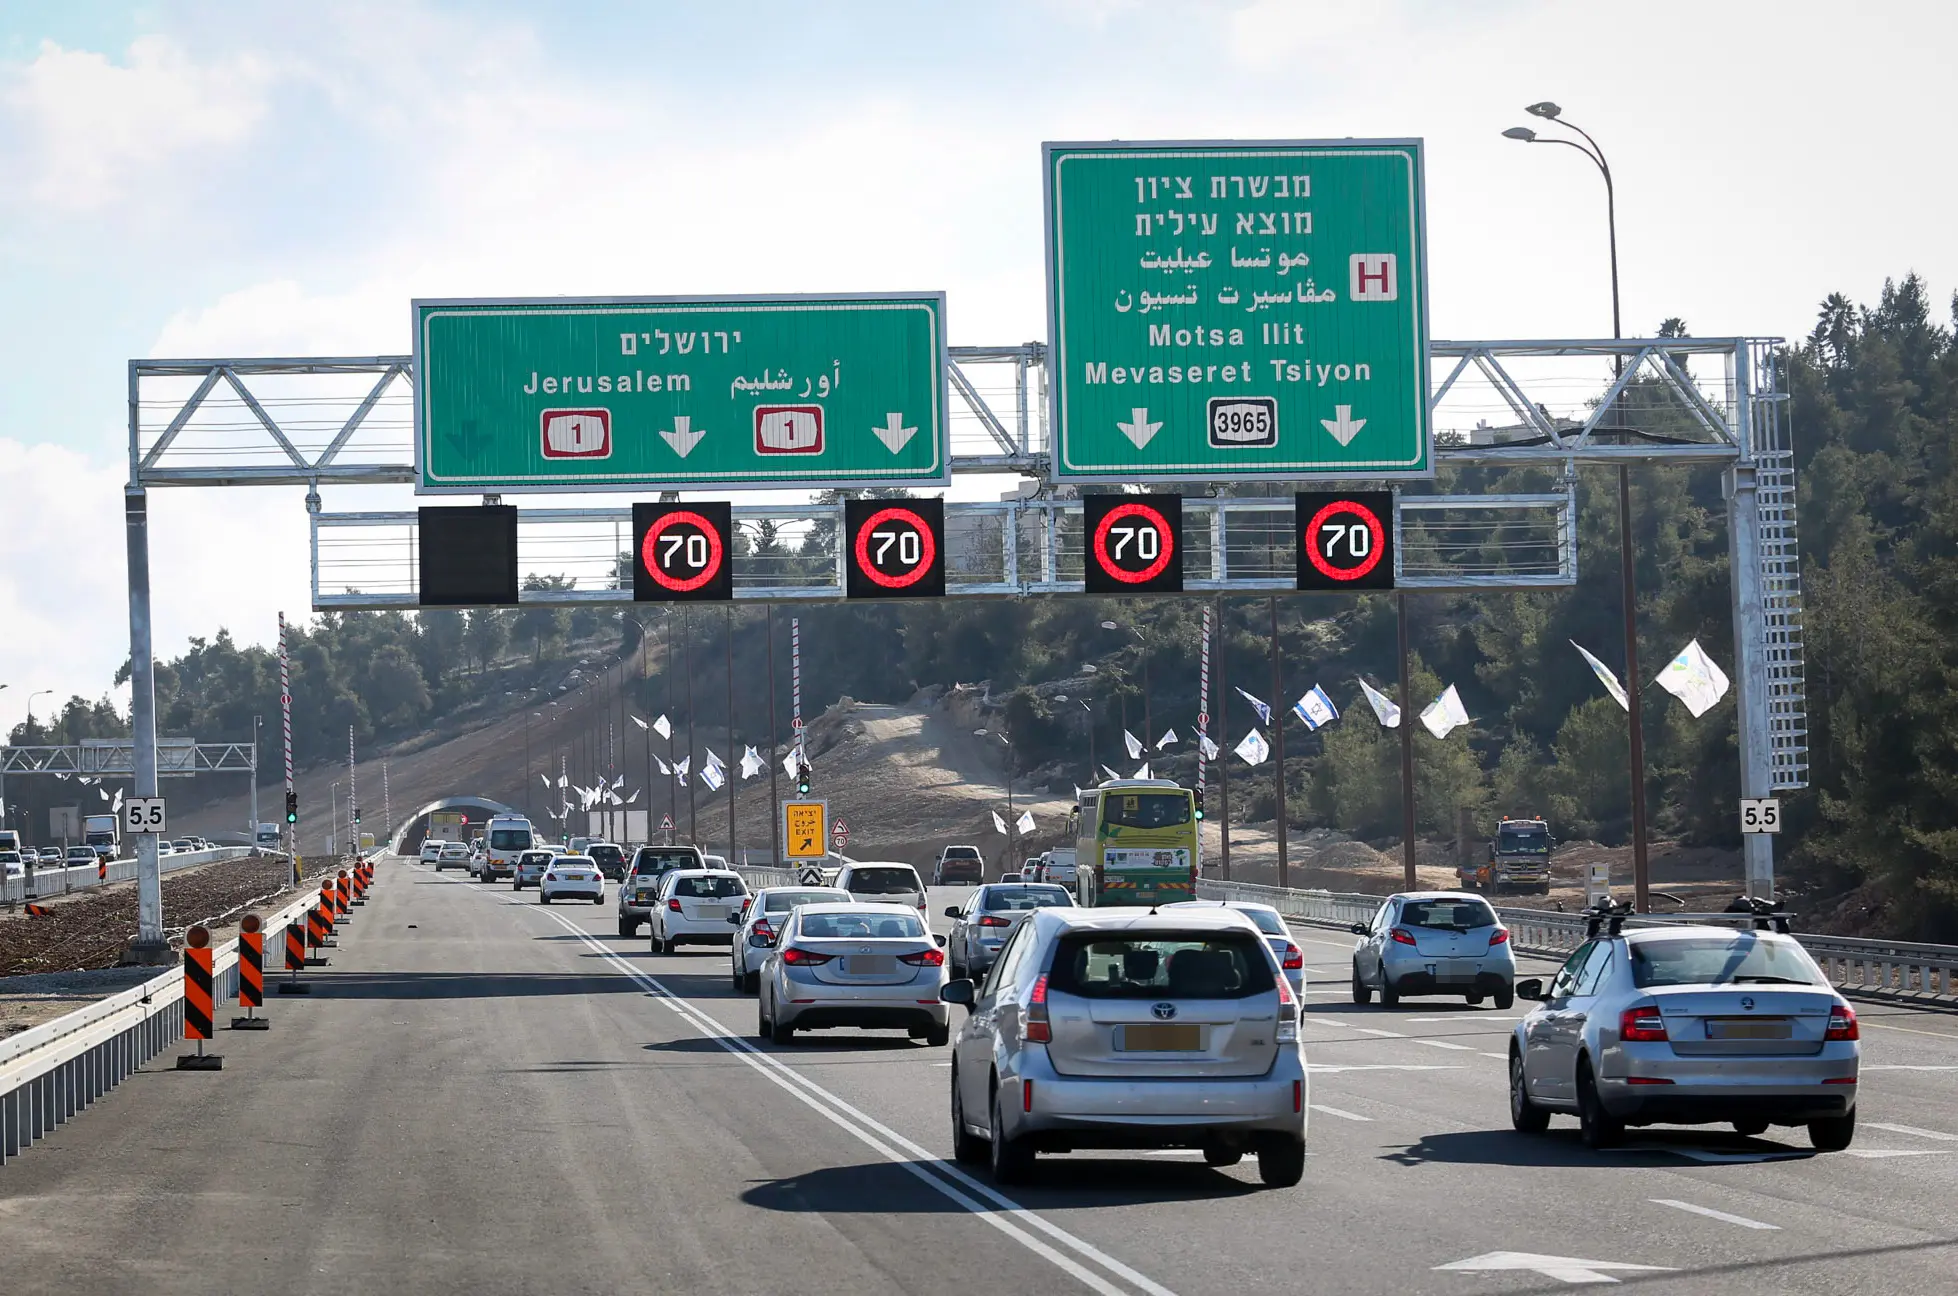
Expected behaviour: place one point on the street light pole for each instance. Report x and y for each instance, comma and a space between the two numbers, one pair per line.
251, 829
1627, 571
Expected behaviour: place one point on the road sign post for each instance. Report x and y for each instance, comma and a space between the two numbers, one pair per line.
641, 393
1232, 310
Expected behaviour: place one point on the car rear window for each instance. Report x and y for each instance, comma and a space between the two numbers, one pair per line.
782, 901
856, 926
509, 839
1162, 965
535, 857
610, 854
962, 852
1742, 958
709, 888
1448, 915
999, 898
1268, 922
657, 861
884, 881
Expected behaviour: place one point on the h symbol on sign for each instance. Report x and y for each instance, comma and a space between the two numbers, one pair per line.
1376, 277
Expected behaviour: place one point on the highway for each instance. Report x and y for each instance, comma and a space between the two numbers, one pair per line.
487, 1095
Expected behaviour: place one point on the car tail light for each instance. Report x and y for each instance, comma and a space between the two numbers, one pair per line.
1642, 1025
1842, 1024
804, 958
1646, 1080
1840, 1080
1288, 1015
1026, 1095
550, 877
763, 930
1038, 1031
673, 906
924, 958
1298, 1096
1500, 936
993, 920
1294, 959
1401, 936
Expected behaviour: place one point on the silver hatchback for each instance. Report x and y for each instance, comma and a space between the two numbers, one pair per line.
1434, 943
1127, 1028
1687, 1026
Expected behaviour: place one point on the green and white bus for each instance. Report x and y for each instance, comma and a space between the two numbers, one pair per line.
1136, 843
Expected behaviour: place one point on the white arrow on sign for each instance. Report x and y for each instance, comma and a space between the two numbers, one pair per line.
894, 434
682, 437
1345, 427
1563, 1268
1140, 430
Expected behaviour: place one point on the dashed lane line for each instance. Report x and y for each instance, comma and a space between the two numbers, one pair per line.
1711, 1213
1912, 1130
1334, 1111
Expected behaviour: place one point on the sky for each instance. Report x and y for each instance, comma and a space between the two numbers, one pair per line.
219, 179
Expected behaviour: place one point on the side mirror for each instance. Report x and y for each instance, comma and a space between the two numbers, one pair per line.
953, 911
1530, 988
958, 992
758, 941
941, 941
1360, 929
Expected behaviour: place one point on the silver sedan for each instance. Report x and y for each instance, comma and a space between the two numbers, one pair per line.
981, 926
854, 964
1687, 1026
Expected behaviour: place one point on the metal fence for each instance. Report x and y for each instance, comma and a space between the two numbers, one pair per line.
62, 881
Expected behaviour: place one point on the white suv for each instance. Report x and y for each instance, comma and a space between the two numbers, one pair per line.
694, 906
883, 883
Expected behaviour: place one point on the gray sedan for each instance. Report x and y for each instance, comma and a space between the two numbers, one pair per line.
854, 964
1687, 1026
760, 921
1434, 943
989, 915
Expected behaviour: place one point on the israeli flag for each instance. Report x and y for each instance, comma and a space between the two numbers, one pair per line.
1263, 709
1315, 708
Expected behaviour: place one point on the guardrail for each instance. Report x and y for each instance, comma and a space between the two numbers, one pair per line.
62, 881
54, 1070
1854, 966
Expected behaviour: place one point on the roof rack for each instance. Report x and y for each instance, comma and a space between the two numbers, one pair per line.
1606, 915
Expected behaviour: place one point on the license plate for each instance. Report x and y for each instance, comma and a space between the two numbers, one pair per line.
1747, 1028
1150, 1037
869, 964
709, 912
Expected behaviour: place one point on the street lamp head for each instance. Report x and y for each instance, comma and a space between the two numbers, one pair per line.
1523, 133
1544, 109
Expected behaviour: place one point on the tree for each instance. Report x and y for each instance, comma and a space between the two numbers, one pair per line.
487, 633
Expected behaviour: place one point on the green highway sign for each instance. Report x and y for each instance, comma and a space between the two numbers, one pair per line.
557, 394
1232, 310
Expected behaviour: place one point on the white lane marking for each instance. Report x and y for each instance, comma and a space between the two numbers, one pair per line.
1912, 1129
1903, 1066
907, 1155
1334, 1111
1460, 1017
1711, 1213
1500, 1057
1908, 1030
1318, 1068
1874, 1154
1383, 1034
1461, 1048
1327, 1021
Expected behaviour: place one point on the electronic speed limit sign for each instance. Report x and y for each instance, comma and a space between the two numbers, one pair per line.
682, 551
894, 548
1345, 540
1133, 543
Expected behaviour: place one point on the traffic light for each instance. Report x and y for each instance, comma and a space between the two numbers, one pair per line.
1199, 804
802, 773
356, 814
292, 807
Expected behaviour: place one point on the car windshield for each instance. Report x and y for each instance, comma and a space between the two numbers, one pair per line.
1523, 841
1721, 960
656, 861
999, 898
1268, 922
1448, 915
962, 852
610, 854
1195, 965
505, 839
780, 901
1146, 809
883, 881
709, 888
848, 926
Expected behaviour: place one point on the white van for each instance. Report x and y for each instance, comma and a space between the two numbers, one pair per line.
507, 837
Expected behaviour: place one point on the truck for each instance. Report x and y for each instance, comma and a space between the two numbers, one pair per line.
1518, 860
266, 837
103, 834
448, 826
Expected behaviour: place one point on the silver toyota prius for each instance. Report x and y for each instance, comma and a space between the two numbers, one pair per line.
1687, 1026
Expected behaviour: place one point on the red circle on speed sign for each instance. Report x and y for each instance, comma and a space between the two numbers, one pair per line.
1166, 549
715, 551
927, 548
1375, 530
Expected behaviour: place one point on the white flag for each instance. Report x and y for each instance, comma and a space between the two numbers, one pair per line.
634, 797
1445, 714
1142, 773
641, 723
711, 775
1209, 749
1025, 822
1263, 709
1169, 736
1694, 679
714, 763
1254, 750
619, 782
664, 768
1133, 743
546, 778
1605, 677
1315, 708
115, 807
680, 769
789, 761
752, 764
663, 729
1111, 774
562, 781
998, 822
1384, 707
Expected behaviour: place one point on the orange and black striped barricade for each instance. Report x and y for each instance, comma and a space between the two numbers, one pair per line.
102, 868
319, 925
295, 959
329, 901
251, 974
198, 1008
344, 891
360, 884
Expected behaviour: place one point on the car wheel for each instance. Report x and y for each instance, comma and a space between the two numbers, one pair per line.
1389, 997
625, 929
967, 1148
1474, 1000
1832, 1134
668, 945
598, 899
1505, 998
1281, 1162
781, 1034
762, 1027
1599, 1127
751, 982
1525, 1115
939, 1036
1750, 1128
1010, 1160
1220, 1155
543, 896
1361, 992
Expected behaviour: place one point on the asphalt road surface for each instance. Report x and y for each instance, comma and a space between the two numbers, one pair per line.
484, 1095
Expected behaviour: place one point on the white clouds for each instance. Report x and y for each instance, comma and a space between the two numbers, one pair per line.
96, 132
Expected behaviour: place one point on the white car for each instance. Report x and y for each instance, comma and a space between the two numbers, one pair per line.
431, 850
11, 865
761, 922
694, 906
571, 875
452, 853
